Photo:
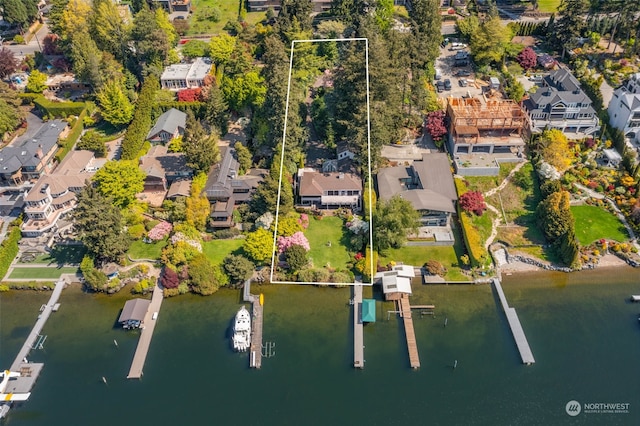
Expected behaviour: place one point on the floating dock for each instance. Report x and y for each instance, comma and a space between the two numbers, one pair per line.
516, 327
412, 346
149, 325
358, 329
255, 351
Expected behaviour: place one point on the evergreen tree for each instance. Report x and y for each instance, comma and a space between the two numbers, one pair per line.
115, 106
217, 112
200, 149
570, 24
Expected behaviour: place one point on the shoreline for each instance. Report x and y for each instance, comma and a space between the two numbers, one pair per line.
606, 261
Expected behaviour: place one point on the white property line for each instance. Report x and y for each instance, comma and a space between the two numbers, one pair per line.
284, 136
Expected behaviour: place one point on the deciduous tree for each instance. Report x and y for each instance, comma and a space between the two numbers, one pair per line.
120, 181
205, 277
8, 63
244, 157
527, 58
259, 245
195, 49
92, 141
392, 221
435, 125
473, 202
553, 146
10, 114
221, 47
37, 82
115, 106
296, 257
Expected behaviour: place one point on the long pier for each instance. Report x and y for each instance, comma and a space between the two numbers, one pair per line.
412, 346
516, 327
255, 350
358, 331
135, 372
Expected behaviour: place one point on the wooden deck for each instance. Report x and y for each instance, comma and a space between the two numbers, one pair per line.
149, 325
516, 327
405, 313
358, 332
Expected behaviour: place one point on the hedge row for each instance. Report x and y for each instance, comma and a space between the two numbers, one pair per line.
67, 143
58, 109
477, 253
198, 108
136, 135
9, 249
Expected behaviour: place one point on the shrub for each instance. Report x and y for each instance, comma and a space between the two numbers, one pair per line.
225, 234
473, 201
296, 239
169, 278
435, 268
477, 252
136, 231
9, 249
160, 231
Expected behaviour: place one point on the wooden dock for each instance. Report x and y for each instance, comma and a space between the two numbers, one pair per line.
412, 346
358, 331
516, 327
149, 325
255, 350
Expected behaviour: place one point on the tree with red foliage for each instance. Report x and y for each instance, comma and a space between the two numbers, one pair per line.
527, 58
473, 201
435, 125
190, 95
61, 64
50, 45
169, 278
8, 62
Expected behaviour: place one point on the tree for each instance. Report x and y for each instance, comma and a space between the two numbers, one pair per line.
392, 220
195, 49
296, 257
197, 207
489, 43
94, 279
190, 95
244, 90
115, 106
217, 111
15, 12
205, 277
288, 225
169, 278
244, 157
119, 180
92, 141
200, 150
435, 125
297, 239
570, 24
10, 113
265, 198
558, 225
221, 47
108, 29
259, 245
238, 268
527, 58
151, 42
468, 26
37, 82
8, 63
553, 147
85, 56
99, 225
473, 201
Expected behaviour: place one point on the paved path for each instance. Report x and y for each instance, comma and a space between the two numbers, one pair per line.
145, 336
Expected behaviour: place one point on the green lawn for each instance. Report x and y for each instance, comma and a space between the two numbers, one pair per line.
228, 11
41, 273
217, 250
141, 250
549, 6
319, 233
60, 255
594, 223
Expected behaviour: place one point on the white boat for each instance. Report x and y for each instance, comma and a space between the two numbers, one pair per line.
242, 330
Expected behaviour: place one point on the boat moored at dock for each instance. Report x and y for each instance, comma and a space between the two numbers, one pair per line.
242, 330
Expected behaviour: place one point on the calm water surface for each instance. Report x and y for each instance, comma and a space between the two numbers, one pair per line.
583, 332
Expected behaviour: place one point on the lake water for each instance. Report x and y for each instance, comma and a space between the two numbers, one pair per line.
582, 329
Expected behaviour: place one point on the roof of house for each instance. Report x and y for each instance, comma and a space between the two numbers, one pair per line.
158, 162
24, 152
221, 175
313, 184
180, 188
392, 282
169, 122
134, 310
196, 70
430, 181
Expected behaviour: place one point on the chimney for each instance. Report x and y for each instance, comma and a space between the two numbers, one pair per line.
39, 152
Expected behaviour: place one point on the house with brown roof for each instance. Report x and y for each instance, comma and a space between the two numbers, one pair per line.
328, 190
55, 194
163, 168
426, 184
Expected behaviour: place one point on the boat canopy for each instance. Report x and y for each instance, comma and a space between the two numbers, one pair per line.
368, 310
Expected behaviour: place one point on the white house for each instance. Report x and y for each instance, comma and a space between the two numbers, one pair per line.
624, 108
185, 76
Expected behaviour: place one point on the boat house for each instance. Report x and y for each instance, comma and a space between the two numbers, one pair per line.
368, 311
133, 313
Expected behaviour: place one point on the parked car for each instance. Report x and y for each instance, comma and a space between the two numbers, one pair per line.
462, 73
536, 78
447, 84
445, 42
438, 74
463, 82
440, 86
457, 46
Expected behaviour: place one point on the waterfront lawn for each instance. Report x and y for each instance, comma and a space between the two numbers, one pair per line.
227, 10
217, 250
141, 250
485, 183
60, 255
41, 273
319, 232
594, 223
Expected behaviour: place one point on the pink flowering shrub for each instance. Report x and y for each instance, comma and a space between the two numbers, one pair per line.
297, 239
304, 221
161, 230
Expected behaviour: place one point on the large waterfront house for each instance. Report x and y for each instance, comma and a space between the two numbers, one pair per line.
225, 188
328, 190
30, 158
163, 168
562, 104
426, 184
55, 194
169, 126
624, 108
185, 76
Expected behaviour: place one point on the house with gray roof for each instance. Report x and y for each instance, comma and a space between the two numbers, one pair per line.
225, 188
562, 104
426, 184
624, 108
28, 159
168, 126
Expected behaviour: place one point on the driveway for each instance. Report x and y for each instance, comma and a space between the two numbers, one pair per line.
445, 63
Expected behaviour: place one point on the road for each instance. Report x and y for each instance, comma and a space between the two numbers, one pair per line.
34, 45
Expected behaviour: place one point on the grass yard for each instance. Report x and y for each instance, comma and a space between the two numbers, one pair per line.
41, 273
485, 183
217, 250
319, 233
419, 255
227, 10
141, 250
549, 6
59, 255
594, 223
